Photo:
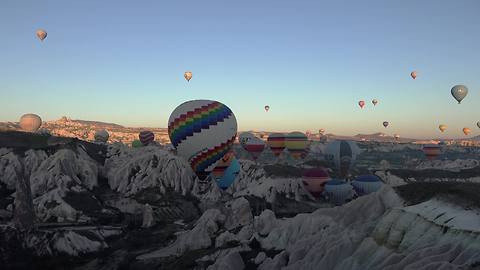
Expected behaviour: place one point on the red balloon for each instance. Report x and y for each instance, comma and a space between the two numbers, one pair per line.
361, 103
314, 181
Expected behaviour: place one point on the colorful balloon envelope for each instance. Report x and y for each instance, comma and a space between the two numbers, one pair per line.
146, 137
361, 103
459, 92
244, 137
202, 132
343, 154
101, 136
137, 144
30, 122
338, 191
41, 34
466, 131
314, 181
442, 127
366, 184
229, 175
222, 165
254, 146
321, 131
296, 144
188, 75
432, 151
413, 74
276, 142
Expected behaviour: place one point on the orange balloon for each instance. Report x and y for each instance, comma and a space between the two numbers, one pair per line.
413, 74
41, 34
466, 131
442, 128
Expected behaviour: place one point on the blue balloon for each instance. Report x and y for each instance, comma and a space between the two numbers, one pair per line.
338, 191
229, 176
366, 184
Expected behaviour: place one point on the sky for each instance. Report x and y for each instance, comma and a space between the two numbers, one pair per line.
311, 61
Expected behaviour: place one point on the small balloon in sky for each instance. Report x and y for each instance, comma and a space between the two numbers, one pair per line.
41, 34
459, 92
361, 103
385, 124
442, 127
374, 102
267, 108
413, 74
466, 131
478, 124
187, 75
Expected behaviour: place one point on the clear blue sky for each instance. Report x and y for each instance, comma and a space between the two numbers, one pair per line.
311, 61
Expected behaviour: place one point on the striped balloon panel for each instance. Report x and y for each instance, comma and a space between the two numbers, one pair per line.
432, 152
202, 161
146, 137
339, 194
195, 121
276, 144
230, 175
363, 188
254, 149
222, 165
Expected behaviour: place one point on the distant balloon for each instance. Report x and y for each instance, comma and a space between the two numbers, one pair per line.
229, 175
478, 124
338, 191
254, 146
267, 108
41, 34
202, 132
30, 122
361, 103
296, 144
413, 74
314, 181
308, 133
276, 142
459, 92
367, 184
385, 124
466, 131
101, 136
343, 154
187, 75
321, 131
396, 136
442, 127
137, 143
374, 102
146, 137
432, 151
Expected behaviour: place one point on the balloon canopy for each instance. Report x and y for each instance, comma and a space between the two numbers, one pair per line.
374, 102
432, 151
229, 175
338, 191
314, 181
361, 103
244, 137
296, 144
385, 124
442, 127
413, 74
366, 184
188, 75
202, 132
146, 137
466, 131
276, 142
254, 146
343, 154
41, 34
101, 136
30, 122
267, 108
459, 92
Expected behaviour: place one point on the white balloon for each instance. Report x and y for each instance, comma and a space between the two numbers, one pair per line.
101, 136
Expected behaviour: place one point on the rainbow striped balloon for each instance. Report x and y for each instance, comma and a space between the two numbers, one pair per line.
296, 143
276, 142
146, 137
202, 132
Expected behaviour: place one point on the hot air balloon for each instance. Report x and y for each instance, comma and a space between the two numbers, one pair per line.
466, 131
478, 124
343, 154
41, 34
366, 184
442, 127
137, 144
385, 124
314, 181
338, 191
361, 103
101, 136
413, 74
187, 75
202, 132
30, 122
396, 136
321, 131
222, 165
146, 137
229, 175
432, 151
308, 133
254, 146
296, 144
267, 108
276, 142
459, 92
374, 102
